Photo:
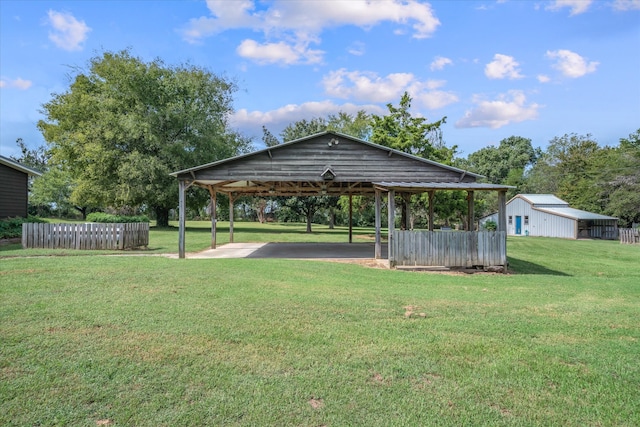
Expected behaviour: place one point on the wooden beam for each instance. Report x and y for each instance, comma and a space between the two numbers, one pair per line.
182, 186
378, 250
391, 201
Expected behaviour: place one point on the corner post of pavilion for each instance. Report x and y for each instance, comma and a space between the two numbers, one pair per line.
429, 248
183, 185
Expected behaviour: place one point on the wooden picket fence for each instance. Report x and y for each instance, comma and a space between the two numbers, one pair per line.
449, 248
85, 236
629, 236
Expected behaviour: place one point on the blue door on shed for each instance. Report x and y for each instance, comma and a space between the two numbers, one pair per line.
518, 225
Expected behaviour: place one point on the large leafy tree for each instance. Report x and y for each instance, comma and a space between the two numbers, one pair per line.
358, 126
569, 168
400, 130
36, 158
620, 180
601, 179
506, 164
124, 124
499, 164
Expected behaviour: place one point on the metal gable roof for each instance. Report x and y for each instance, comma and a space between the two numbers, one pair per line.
19, 167
542, 199
425, 186
337, 134
575, 214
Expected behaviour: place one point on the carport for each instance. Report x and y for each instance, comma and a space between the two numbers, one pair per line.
338, 164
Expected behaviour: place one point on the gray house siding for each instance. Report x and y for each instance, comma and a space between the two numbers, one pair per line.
13, 192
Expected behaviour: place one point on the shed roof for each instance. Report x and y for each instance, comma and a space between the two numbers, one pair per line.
576, 214
542, 199
419, 187
18, 166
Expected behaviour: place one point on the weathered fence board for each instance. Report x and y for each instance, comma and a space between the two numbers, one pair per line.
629, 236
85, 236
449, 248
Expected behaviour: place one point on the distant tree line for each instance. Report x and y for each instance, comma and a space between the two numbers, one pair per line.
124, 124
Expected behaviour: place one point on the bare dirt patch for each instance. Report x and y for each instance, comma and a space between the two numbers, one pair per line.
316, 403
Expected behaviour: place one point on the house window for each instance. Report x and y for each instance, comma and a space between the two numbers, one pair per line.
510, 220
526, 220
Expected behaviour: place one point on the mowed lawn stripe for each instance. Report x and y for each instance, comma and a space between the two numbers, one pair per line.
156, 341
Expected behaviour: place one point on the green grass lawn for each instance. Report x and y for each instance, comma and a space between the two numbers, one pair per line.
104, 340
198, 237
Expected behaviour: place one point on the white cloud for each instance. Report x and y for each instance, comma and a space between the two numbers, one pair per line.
503, 66
570, 64
369, 87
439, 63
508, 108
624, 5
68, 33
278, 119
364, 85
434, 100
543, 78
269, 53
301, 21
577, 6
18, 83
357, 49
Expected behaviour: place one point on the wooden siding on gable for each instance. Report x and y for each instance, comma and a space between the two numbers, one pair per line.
13, 192
350, 161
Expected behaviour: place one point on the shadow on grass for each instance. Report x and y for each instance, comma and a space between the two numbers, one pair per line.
519, 266
282, 229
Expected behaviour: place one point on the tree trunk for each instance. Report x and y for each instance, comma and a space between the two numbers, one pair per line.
332, 217
309, 218
83, 211
162, 217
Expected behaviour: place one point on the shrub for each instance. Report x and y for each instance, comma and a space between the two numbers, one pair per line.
12, 227
490, 225
110, 219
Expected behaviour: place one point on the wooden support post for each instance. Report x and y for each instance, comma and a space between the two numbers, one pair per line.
502, 211
406, 198
432, 193
502, 222
182, 186
391, 201
378, 250
470, 213
350, 218
230, 218
214, 217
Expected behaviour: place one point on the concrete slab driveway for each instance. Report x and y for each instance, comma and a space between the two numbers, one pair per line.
328, 251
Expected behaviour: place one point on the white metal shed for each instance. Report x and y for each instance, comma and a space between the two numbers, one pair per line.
549, 216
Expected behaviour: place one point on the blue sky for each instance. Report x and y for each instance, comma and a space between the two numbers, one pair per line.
536, 69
